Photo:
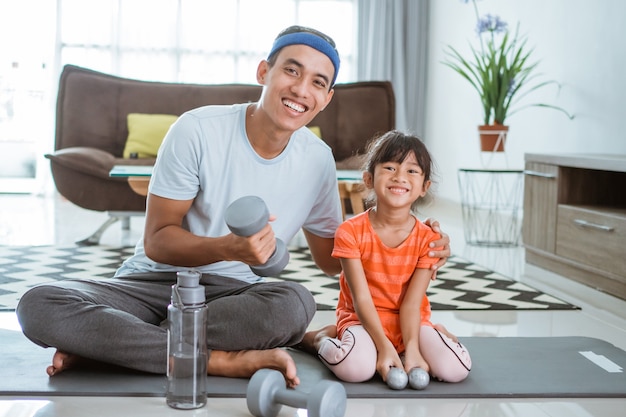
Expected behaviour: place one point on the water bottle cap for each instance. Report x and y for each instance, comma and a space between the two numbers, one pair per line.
189, 279
188, 290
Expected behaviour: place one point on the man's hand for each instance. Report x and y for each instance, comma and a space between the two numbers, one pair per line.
443, 245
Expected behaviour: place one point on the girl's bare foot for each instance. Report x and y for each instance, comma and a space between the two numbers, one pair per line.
312, 339
62, 361
243, 364
441, 328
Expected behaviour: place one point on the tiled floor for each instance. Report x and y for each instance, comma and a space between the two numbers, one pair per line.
39, 220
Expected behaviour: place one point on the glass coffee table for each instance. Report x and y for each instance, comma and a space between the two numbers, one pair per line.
350, 182
138, 176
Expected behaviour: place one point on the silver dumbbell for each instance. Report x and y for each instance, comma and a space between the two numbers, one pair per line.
417, 378
267, 393
397, 378
245, 217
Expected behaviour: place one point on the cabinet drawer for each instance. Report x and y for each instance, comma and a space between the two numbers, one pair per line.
593, 236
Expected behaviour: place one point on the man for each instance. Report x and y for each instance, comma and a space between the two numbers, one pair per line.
210, 157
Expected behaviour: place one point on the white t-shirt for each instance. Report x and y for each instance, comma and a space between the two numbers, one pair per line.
206, 156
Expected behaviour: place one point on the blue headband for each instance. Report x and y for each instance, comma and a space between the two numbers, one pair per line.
308, 39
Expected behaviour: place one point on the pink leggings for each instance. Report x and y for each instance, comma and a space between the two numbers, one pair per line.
353, 358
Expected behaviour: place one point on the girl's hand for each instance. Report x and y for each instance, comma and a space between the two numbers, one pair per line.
415, 359
440, 247
387, 358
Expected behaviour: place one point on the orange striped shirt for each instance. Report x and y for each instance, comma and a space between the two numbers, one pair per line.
388, 272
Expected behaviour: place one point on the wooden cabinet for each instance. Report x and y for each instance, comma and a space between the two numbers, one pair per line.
540, 204
574, 220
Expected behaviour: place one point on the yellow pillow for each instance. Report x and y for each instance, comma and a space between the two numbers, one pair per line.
146, 132
316, 130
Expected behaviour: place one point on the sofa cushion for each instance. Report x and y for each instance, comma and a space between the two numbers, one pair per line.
316, 131
145, 133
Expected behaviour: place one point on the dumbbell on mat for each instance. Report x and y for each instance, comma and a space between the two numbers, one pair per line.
397, 378
267, 393
247, 216
417, 378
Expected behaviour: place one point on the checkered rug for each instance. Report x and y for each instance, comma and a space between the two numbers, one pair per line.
460, 284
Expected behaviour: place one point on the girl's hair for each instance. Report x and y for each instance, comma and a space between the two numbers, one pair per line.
395, 146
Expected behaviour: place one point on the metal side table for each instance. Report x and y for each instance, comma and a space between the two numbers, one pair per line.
491, 200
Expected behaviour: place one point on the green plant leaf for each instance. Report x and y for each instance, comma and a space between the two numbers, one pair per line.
502, 74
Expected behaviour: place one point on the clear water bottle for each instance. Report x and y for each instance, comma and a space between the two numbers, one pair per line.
186, 343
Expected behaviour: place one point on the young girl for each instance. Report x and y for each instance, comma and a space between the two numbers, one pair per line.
383, 313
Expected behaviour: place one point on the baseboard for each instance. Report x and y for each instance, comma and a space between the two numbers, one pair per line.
603, 304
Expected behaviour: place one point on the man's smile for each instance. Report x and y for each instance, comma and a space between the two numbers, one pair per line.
294, 106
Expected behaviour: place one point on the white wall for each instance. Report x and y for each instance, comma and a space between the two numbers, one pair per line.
580, 43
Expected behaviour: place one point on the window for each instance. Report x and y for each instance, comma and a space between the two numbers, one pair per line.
194, 41
26, 53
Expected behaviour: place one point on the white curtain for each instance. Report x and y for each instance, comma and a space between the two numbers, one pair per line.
392, 46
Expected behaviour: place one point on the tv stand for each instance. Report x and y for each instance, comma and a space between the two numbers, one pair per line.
574, 221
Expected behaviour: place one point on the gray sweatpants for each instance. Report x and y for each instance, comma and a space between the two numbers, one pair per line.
119, 321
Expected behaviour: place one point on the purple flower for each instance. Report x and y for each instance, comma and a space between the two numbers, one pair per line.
490, 23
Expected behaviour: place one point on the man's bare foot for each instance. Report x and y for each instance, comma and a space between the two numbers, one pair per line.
312, 339
243, 364
62, 361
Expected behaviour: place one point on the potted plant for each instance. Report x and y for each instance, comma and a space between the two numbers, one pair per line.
501, 71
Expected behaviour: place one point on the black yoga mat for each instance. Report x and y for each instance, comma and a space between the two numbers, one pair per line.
509, 367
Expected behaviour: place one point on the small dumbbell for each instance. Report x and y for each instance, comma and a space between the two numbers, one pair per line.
267, 393
397, 378
247, 216
418, 378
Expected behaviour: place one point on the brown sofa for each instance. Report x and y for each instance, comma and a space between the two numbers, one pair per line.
91, 129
